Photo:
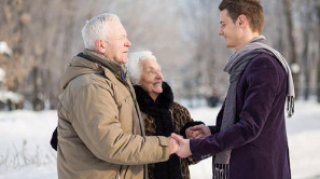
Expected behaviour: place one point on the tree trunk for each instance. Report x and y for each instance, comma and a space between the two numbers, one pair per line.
318, 83
306, 69
37, 102
318, 70
290, 36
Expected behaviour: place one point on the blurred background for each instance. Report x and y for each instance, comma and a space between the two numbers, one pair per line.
38, 38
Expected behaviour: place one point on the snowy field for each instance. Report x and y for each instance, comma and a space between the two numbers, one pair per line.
25, 152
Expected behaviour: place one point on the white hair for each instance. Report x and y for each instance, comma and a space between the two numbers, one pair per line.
134, 64
97, 28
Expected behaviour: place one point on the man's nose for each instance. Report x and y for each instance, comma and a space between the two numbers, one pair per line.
128, 43
220, 32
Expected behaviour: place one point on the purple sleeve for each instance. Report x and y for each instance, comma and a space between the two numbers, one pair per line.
213, 129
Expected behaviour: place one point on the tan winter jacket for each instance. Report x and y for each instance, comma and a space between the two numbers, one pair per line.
101, 134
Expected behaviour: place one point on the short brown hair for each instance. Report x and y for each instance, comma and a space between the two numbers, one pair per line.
252, 9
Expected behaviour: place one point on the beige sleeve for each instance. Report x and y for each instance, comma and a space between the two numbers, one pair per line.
95, 119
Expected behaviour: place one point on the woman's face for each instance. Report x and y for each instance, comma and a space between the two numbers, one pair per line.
151, 78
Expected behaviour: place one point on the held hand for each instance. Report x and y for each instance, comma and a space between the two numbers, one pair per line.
200, 131
189, 133
184, 146
173, 145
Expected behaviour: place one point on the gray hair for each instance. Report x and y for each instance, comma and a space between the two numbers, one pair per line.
97, 28
134, 64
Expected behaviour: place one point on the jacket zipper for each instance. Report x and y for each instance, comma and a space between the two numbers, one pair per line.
135, 105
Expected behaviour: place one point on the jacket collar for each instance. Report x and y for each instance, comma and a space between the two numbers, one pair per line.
120, 71
91, 62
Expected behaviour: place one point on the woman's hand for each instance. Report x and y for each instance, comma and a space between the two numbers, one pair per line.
198, 131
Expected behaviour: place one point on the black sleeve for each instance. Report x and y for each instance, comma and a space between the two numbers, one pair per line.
54, 140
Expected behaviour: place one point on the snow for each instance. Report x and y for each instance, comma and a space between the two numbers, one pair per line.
14, 97
2, 75
4, 48
25, 151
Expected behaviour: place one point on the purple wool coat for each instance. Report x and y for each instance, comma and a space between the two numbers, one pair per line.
258, 139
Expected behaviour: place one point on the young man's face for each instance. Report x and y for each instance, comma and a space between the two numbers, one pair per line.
229, 30
118, 44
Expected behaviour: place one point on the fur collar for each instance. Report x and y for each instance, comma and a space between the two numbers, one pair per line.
159, 110
163, 101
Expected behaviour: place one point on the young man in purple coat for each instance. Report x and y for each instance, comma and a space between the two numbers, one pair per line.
249, 140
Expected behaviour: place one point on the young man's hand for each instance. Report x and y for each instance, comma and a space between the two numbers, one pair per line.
184, 146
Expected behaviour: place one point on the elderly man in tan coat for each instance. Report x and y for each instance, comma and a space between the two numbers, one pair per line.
101, 134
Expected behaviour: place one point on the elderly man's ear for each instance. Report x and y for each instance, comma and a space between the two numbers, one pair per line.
101, 46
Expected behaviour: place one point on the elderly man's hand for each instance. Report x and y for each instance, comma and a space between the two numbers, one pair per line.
173, 145
184, 146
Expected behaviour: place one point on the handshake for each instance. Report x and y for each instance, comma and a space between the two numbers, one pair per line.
181, 146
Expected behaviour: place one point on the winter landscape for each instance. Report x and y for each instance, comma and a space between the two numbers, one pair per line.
36, 44
25, 151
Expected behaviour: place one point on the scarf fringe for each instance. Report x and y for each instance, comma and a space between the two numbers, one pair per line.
221, 171
290, 106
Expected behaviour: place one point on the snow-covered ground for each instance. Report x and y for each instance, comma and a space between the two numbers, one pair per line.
25, 151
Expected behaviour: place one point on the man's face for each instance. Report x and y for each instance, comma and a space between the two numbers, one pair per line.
117, 44
229, 30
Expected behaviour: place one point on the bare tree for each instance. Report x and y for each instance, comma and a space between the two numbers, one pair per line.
207, 52
182, 34
307, 31
318, 70
15, 20
295, 64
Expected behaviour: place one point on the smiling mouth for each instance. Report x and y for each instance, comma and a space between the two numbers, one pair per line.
159, 83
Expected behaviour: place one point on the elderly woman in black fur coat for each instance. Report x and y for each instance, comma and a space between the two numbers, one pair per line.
162, 115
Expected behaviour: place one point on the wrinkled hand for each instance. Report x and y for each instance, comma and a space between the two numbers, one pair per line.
184, 146
173, 145
189, 133
198, 131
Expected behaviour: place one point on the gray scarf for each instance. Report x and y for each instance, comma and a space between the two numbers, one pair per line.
235, 66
